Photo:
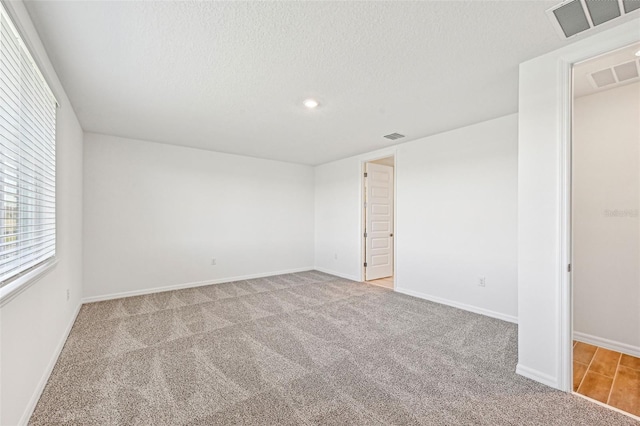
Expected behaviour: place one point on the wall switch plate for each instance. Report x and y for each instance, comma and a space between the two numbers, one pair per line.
482, 282
68, 295
213, 262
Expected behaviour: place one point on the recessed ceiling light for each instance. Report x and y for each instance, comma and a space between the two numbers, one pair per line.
638, 53
310, 103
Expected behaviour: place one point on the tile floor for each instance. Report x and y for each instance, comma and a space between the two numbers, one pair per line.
607, 376
383, 282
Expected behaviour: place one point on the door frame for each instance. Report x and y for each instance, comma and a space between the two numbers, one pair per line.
565, 101
362, 218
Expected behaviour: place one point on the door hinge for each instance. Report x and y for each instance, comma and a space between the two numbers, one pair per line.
569, 268
365, 174
365, 235
365, 264
365, 204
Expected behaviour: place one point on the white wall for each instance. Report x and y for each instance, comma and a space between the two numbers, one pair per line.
34, 325
455, 217
338, 218
155, 216
457, 212
544, 346
606, 231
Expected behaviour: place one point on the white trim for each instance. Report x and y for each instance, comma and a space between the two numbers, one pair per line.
564, 308
607, 344
366, 158
191, 285
20, 284
536, 375
31, 406
338, 274
463, 306
565, 348
602, 404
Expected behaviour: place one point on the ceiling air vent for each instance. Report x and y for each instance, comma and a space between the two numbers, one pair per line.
602, 11
616, 75
631, 5
626, 71
394, 136
575, 16
603, 78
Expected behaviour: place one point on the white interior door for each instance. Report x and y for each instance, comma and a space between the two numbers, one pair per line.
379, 221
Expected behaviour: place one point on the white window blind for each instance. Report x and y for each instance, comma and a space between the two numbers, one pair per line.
27, 159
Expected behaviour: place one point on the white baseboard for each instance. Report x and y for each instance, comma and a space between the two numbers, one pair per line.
463, 306
338, 274
189, 285
607, 344
538, 376
45, 376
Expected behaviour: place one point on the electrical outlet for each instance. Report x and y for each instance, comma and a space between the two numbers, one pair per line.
68, 295
335, 256
213, 262
482, 282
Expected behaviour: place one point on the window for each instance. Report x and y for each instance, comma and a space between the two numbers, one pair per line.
27, 159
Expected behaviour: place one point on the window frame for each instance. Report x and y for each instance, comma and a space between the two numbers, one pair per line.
22, 280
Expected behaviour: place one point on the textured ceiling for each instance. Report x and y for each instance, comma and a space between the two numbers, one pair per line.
230, 76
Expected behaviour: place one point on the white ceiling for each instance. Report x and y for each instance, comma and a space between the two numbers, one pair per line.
582, 83
230, 76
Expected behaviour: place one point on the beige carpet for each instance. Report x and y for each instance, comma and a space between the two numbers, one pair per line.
305, 348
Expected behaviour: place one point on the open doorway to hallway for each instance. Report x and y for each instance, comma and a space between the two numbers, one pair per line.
605, 229
378, 221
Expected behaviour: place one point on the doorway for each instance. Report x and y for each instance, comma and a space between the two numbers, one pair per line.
605, 228
379, 221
